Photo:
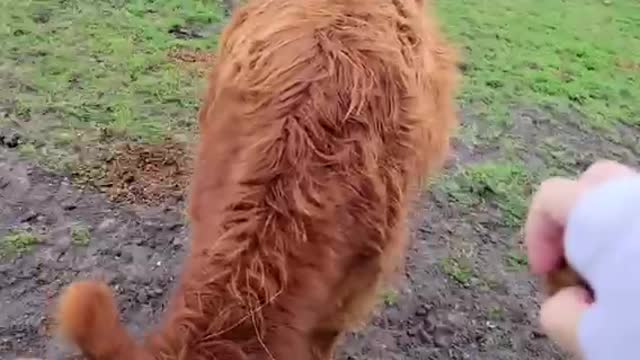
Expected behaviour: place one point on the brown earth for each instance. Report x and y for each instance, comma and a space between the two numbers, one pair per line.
194, 60
148, 174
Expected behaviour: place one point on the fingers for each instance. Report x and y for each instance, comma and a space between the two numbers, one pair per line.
560, 316
545, 222
550, 209
604, 170
551, 206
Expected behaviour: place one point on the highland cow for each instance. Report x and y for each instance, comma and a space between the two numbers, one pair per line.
320, 123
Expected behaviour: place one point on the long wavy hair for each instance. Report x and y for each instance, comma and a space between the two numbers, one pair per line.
321, 120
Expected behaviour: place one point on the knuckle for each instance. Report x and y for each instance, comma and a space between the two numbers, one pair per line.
603, 170
548, 186
603, 165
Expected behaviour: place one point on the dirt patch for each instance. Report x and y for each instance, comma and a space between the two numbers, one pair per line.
193, 60
492, 316
137, 250
148, 174
628, 65
135, 173
195, 31
565, 145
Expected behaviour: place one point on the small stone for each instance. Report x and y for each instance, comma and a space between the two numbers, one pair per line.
106, 224
536, 334
424, 336
443, 337
174, 226
177, 243
29, 216
422, 311
429, 324
69, 206
142, 297
411, 332
126, 257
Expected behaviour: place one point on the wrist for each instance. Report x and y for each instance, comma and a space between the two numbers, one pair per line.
609, 331
601, 230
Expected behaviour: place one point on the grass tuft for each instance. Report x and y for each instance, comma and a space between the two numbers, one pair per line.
16, 243
506, 185
572, 53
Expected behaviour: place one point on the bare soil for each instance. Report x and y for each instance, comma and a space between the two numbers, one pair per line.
137, 247
148, 173
194, 60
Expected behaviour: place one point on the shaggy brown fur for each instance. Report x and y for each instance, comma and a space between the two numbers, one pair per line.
561, 278
321, 119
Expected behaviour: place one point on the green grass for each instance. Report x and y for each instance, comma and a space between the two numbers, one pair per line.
458, 269
576, 61
390, 297
72, 69
563, 55
578, 53
496, 313
80, 235
75, 70
506, 185
516, 261
16, 243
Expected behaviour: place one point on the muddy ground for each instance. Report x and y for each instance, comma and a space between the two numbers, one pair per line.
490, 314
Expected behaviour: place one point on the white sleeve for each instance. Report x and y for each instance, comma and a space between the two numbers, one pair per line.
603, 244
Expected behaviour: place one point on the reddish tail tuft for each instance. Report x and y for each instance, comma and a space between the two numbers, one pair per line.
88, 317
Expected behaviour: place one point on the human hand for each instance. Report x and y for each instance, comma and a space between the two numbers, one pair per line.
544, 232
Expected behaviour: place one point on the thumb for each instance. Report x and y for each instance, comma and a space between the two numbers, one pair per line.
560, 317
